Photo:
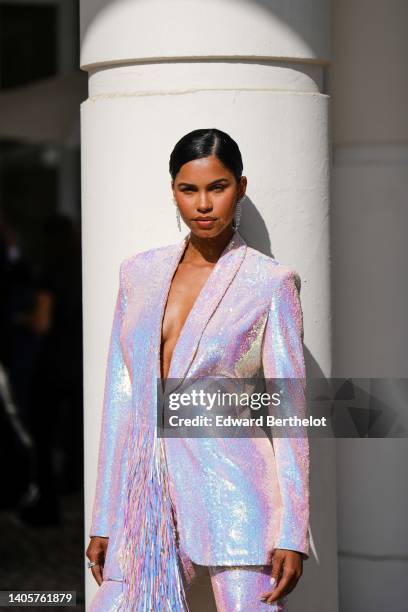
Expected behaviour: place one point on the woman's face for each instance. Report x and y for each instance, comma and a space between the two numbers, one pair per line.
205, 188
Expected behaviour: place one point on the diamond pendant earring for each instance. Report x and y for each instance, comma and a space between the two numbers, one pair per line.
177, 215
237, 215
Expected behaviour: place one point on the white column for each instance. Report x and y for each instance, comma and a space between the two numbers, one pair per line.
370, 217
158, 70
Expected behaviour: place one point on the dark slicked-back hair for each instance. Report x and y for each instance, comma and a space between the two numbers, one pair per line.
203, 143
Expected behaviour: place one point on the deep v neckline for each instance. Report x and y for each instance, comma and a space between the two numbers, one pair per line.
188, 317
163, 314
191, 313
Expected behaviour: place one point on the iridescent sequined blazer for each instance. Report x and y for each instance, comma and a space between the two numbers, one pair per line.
235, 499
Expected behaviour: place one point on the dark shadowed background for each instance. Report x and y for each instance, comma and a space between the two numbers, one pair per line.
41, 439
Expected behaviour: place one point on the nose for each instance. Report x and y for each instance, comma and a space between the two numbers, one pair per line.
204, 203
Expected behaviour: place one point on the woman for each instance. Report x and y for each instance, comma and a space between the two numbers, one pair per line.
210, 305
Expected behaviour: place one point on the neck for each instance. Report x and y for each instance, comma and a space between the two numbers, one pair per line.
207, 249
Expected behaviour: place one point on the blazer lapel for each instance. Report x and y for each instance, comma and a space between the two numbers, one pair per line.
204, 306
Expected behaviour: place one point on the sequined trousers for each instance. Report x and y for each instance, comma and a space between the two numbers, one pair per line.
235, 589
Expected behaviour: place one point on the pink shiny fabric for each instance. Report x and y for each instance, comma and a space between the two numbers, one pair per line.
235, 589
233, 500
107, 596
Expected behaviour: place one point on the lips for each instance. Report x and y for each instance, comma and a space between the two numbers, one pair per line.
205, 222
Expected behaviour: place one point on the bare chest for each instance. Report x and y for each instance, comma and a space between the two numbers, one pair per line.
185, 288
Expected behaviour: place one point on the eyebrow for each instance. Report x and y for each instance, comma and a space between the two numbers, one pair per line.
220, 180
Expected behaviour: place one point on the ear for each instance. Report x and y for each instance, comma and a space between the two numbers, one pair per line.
242, 186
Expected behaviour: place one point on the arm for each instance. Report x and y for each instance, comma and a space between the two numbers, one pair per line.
282, 357
115, 416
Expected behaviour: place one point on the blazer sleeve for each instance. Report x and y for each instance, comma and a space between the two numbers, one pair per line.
115, 417
283, 358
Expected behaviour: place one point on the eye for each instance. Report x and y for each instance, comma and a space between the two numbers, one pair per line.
218, 188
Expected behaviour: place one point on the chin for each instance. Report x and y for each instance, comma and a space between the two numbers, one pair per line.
206, 233
211, 232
